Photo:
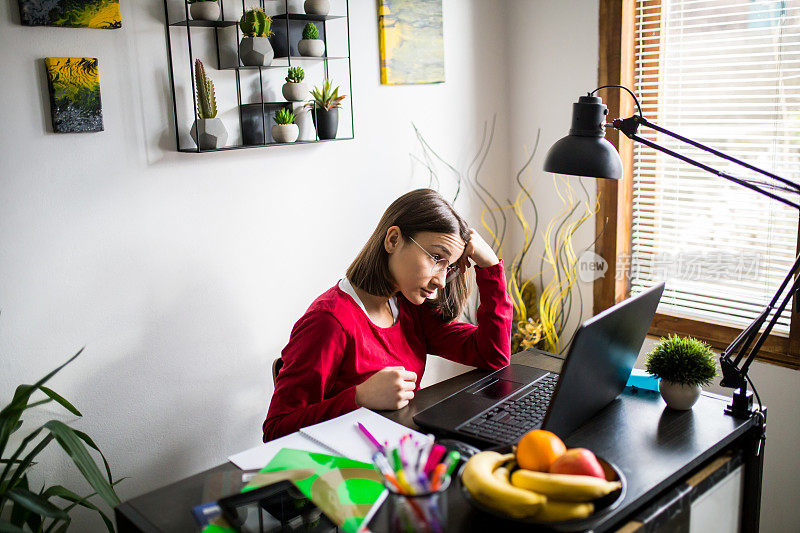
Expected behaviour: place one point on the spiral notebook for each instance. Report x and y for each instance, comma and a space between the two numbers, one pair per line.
338, 435
342, 436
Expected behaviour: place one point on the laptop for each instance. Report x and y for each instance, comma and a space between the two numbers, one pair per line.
501, 407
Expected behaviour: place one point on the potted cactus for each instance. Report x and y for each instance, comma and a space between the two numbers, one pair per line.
311, 45
317, 7
683, 364
208, 131
285, 130
204, 9
294, 90
255, 49
325, 106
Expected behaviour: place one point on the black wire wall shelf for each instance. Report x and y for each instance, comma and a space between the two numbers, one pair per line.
223, 45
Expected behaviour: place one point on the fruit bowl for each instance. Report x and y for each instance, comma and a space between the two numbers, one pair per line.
603, 506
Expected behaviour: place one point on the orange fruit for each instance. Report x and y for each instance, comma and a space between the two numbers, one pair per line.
537, 450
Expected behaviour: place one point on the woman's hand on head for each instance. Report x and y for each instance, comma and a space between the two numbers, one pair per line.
389, 388
479, 251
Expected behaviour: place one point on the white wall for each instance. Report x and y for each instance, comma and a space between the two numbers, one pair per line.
183, 274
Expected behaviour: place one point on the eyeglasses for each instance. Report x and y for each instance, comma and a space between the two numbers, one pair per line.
440, 265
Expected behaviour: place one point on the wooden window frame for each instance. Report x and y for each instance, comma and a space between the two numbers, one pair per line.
614, 219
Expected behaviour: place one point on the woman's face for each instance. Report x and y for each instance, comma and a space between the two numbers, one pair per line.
411, 266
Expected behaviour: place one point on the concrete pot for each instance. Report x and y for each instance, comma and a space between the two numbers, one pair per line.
311, 47
679, 396
204, 11
210, 133
256, 52
285, 133
317, 7
295, 92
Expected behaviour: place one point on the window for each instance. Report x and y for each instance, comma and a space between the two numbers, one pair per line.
725, 73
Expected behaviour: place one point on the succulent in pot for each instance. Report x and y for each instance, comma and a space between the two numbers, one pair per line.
294, 90
208, 131
255, 49
683, 364
311, 45
317, 7
325, 109
204, 9
285, 130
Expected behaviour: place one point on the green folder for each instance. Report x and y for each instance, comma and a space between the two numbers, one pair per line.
345, 490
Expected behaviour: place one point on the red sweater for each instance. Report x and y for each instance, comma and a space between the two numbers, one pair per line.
335, 346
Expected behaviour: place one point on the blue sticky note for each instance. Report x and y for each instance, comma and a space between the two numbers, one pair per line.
641, 379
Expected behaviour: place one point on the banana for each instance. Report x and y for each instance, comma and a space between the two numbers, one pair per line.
502, 473
564, 487
479, 479
556, 511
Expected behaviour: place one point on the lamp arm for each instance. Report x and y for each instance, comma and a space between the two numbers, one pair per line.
712, 170
717, 153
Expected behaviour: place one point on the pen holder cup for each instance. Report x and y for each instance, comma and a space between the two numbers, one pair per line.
425, 512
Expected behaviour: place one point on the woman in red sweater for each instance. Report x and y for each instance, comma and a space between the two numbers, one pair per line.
364, 341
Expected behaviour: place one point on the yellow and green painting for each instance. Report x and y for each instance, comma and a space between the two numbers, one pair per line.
412, 48
74, 86
103, 14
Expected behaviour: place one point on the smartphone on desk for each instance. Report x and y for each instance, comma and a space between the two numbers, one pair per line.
279, 507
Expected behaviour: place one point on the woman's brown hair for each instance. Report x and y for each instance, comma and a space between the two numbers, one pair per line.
415, 212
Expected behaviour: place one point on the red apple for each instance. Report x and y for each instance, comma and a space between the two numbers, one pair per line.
578, 461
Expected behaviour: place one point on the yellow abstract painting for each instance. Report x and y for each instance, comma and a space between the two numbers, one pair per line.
411, 41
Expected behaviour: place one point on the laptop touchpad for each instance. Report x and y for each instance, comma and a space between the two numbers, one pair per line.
499, 388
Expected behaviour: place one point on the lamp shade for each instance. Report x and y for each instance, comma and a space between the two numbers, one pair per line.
585, 151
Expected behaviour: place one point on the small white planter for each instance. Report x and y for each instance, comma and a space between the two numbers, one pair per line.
311, 47
317, 7
204, 11
210, 133
285, 133
256, 52
679, 396
295, 92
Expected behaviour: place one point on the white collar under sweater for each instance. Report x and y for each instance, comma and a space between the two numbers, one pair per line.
347, 287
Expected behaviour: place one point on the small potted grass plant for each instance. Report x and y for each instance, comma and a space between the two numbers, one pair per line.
285, 130
208, 131
311, 45
255, 49
325, 109
294, 90
204, 9
684, 365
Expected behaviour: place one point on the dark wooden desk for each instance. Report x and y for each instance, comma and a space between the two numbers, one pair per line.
667, 457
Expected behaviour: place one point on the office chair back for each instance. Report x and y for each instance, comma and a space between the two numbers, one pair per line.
276, 367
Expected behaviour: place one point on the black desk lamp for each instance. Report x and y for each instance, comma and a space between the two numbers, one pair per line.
586, 152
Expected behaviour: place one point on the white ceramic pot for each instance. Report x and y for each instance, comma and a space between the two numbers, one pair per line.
311, 47
204, 10
317, 7
285, 133
256, 51
679, 396
210, 133
295, 92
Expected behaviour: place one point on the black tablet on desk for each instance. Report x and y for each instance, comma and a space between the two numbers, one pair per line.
279, 507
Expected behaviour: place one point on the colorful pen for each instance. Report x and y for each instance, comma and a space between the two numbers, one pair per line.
433, 458
371, 438
444, 469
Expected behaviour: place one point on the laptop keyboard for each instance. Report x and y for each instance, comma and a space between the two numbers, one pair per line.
509, 420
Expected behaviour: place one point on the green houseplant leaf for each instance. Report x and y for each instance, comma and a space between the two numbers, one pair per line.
19, 506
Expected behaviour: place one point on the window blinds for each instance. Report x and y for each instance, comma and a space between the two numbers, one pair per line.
725, 73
